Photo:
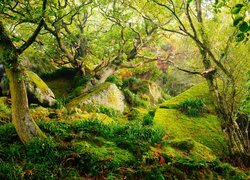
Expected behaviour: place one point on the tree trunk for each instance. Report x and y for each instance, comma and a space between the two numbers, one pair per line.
25, 126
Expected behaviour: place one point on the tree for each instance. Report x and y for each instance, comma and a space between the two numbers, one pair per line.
98, 38
189, 20
19, 13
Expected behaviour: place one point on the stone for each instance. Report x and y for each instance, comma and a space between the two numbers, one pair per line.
106, 94
38, 91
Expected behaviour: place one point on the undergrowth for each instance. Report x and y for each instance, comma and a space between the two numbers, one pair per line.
91, 149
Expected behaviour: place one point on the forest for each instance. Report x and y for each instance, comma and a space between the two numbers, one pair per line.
124, 89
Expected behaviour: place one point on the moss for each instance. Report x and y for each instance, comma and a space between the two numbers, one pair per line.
189, 148
37, 81
204, 129
5, 111
186, 145
89, 116
78, 100
101, 155
199, 91
137, 114
61, 87
40, 113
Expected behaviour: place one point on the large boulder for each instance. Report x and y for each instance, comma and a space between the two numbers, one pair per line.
38, 91
106, 94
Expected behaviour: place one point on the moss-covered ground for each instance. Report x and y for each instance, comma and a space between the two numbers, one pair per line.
99, 142
95, 150
204, 128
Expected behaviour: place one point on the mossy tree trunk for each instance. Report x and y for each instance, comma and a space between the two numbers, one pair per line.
236, 142
24, 124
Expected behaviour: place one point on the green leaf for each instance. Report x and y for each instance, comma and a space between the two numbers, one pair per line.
236, 9
244, 27
240, 37
237, 20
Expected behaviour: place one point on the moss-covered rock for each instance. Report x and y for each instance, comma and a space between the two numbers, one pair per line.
106, 94
38, 91
199, 91
204, 129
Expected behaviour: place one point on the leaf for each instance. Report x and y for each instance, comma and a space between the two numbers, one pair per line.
244, 27
236, 9
240, 37
237, 20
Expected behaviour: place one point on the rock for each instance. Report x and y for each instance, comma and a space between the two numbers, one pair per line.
38, 91
106, 94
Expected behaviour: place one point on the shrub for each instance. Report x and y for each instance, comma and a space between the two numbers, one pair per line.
61, 72
148, 119
129, 81
60, 103
109, 111
134, 100
192, 107
115, 79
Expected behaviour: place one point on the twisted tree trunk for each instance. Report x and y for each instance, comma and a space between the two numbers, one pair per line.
25, 126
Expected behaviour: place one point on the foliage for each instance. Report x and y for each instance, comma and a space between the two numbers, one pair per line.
239, 16
148, 119
111, 112
92, 149
133, 99
192, 107
116, 80
60, 72
245, 104
41, 150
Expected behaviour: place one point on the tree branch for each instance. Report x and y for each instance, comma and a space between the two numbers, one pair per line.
32, 38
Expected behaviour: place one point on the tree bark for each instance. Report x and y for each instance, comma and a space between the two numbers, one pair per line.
25, 126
